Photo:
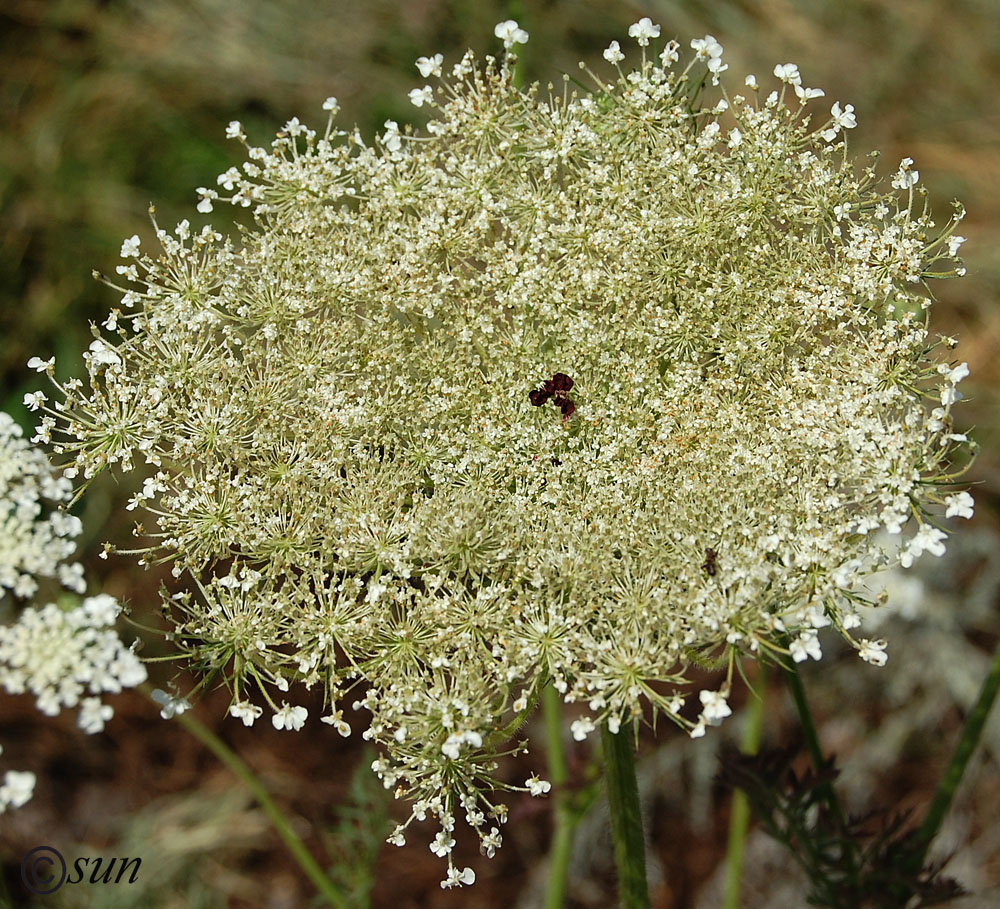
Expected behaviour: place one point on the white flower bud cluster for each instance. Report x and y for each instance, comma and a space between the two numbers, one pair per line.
570, 389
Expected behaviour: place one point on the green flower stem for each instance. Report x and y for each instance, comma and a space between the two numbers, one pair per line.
798, 693
284, 829
564, 819
971, 735
739, 818
626, 818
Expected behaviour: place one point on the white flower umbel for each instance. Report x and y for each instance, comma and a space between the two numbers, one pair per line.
573, 389
36, 534
60, 656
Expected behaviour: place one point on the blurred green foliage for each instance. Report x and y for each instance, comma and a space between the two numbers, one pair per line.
359, 836
185, 843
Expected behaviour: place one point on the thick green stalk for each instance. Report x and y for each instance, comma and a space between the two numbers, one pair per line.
564, 820
281, 825
739, 817
970, 737
626, 818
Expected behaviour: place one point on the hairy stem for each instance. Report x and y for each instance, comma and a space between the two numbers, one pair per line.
739, 818
626, 819
564, 820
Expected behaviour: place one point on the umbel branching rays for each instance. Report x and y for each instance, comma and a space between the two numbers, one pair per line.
577, 386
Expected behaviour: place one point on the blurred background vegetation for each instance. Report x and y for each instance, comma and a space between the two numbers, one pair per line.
109, 105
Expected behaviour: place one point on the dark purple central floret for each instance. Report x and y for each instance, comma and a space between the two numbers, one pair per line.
556, 389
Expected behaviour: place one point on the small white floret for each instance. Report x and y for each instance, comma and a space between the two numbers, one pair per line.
643, 30
613, 53
537, 786
510, 33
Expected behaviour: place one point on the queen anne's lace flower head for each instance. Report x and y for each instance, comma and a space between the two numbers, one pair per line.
579, 390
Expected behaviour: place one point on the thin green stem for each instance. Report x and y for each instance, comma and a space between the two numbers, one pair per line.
739, 818
564, 820
626, 819
967, 743
281, 825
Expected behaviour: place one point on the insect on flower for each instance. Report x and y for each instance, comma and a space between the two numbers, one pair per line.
710, 567
555, 388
